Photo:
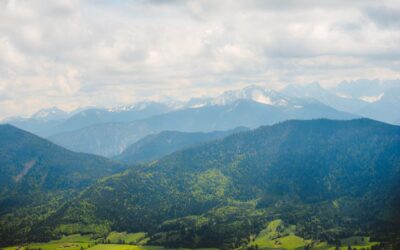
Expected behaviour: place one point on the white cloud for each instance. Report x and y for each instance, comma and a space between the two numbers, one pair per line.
77, 53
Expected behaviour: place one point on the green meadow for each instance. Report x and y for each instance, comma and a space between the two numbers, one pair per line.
74, 238
356, 242
70, 242
129, 238
276, 235
52, 246
124, 247
85, 242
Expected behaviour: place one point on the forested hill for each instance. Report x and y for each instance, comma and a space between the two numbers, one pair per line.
30, 163
36, 176
329, 178
158, 145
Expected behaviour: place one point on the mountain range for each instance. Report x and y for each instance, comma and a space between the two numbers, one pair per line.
108, 132
53, 121
110, 139
367, 98
330, 179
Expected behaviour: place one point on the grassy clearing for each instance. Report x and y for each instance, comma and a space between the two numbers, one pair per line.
356, 242
292, 242
129, 238
80, 242
70, 242
74, 238
89, 246
123, 247
135, 247
275, 236
321, 246
278, 236
287, 242
52, 246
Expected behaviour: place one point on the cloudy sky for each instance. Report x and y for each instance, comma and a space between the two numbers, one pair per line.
106, 53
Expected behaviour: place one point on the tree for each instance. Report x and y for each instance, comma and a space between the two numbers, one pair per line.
338, 244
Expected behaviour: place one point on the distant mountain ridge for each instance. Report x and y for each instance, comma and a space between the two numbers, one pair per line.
155, 146
41, 124
110, 139
95, 130
367, 98
254, 93
42, 120
348, 96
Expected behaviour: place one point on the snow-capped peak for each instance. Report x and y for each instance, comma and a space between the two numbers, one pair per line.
255, 93
372, 99
137, 106
50, 113
121, 108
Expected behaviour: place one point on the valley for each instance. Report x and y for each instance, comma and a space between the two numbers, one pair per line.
199, 125
294, 185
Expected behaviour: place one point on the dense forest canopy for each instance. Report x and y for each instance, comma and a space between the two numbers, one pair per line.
331, 179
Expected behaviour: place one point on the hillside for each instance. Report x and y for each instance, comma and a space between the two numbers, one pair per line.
48, 122
110, 139
330, 179
158, 145
94, 116
35, 172
40, 122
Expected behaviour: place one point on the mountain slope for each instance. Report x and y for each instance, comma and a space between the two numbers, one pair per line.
41, 121
111, 139
35, 172
94, 116
52, 121
385, 108
31, 163
158, 145
330, 178
325, 96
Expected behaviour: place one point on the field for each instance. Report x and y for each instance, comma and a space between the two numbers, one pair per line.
124, 247
129, 238
134, 247
52, 246
77, 246
74, 238
356, 242
80, 242
276, 235
71, 242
